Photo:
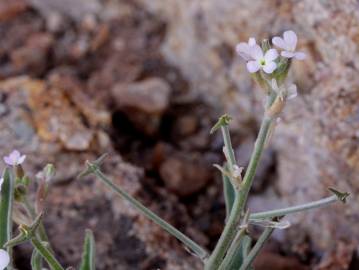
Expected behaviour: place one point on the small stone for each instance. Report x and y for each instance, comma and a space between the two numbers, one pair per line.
184, 176
144, 102
186, 125
150, 96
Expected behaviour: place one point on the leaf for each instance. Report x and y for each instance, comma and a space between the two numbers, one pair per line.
6, 203
342, 196
88, 255
222, 121
36, 260
228, 191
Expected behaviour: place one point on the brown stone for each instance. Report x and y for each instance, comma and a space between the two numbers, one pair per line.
144, 102
184, 176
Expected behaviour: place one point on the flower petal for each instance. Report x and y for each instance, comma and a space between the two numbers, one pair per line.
21, 159
8, 161
300, 55
253, 66
256, 52
1, 182
269, 67
292, 91
287, 54
252, 41
290, 39
4, 259
14, 155
244, 51
271, 55
279, 42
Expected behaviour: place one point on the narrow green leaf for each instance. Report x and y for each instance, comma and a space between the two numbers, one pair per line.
189, 243
249, 258
36, 260
46, 253
229, 193
6, 203
89, 252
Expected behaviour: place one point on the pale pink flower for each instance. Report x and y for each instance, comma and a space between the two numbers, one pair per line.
244, 49
14, 158
262, 61
288, 43
4, 259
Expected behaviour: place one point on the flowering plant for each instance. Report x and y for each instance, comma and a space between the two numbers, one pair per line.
234, 249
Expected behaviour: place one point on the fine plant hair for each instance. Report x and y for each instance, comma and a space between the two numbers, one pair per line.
236, 249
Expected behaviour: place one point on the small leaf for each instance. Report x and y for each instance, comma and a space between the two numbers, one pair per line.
88, 255
36, 260
229, 192
222, 121
342, 196
270, 223
6, 203
26, 232
92, 166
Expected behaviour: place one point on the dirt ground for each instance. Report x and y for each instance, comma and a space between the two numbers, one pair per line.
80, 78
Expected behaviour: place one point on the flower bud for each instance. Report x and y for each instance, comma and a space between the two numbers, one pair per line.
265, 45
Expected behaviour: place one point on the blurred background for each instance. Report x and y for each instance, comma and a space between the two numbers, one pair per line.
144, 80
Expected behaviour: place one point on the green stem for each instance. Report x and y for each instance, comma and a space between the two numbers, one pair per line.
197, 249
231, 159
257, 247
46, 254
230, 228
231, 256
294, 209
32, 213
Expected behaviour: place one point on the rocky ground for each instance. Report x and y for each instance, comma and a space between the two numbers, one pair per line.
144, 81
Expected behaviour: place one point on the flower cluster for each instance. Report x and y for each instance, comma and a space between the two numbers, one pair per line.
267, 59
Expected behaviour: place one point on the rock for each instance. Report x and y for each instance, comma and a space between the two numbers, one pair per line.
76, 10
33, 56
144, 102
184, 176
12, 8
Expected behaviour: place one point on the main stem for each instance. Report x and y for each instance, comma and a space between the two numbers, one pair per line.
230, 228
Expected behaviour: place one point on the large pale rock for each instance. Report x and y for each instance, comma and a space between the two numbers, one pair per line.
317, 141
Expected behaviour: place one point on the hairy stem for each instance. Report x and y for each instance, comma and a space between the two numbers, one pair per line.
294, 209
257, 247
32, 213
46, 254
189, 243
230, 228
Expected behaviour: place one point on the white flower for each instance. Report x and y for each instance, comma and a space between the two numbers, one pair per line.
244, 49
14, 158
262, 61
288, 43
289, 92
1, 182
4, 259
